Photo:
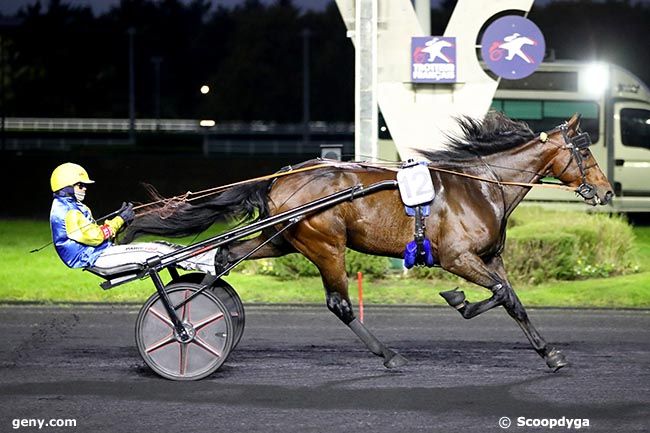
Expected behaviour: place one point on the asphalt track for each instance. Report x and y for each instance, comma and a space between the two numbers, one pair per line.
300, 370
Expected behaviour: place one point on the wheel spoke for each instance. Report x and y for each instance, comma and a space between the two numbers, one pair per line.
185, 314
205, 346
159, 315
205, 322
160, 343
183, 359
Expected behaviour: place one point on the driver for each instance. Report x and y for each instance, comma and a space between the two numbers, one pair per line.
81, 242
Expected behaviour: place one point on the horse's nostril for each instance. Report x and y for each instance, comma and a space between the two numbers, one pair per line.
608, 197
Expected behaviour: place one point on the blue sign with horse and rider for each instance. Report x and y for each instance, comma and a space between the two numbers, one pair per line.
513, 47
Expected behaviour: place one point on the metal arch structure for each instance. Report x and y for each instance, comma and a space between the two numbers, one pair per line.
418, 116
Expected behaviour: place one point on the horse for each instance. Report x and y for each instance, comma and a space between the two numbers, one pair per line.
479, 178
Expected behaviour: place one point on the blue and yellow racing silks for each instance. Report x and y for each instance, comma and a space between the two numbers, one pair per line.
78, 239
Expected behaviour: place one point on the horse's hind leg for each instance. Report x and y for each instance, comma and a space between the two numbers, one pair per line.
493, 276
338, 302
230, 253
327, 252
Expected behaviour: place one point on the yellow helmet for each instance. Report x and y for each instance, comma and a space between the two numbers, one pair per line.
68, 174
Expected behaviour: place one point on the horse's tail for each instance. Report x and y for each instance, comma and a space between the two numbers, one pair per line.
182, 218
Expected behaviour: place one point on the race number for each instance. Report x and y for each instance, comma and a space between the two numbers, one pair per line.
415, 185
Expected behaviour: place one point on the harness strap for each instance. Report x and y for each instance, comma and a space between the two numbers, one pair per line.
418, 251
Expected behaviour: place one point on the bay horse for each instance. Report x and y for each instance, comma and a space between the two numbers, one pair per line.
476, 189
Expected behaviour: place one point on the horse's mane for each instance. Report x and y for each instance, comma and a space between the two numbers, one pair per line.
494, 133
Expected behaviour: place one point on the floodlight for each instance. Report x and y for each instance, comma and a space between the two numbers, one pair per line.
595, 78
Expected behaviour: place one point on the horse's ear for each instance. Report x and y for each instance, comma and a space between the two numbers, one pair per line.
574, 123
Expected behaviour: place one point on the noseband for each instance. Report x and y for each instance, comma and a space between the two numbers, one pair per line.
578, 143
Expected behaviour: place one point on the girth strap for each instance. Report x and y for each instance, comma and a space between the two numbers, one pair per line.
418, 251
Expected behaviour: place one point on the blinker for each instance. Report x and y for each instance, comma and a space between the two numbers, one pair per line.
581, 141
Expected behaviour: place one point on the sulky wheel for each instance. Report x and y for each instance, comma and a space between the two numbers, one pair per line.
207, 321
226, 294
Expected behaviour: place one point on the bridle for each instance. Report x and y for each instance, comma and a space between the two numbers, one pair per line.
580, 142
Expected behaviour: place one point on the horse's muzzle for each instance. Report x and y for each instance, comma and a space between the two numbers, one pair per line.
607, 198
598, 199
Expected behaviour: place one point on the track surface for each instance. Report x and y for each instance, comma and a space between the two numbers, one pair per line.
300, 370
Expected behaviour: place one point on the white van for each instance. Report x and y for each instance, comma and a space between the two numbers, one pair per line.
615, 108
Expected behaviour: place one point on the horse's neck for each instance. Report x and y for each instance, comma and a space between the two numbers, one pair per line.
526, 163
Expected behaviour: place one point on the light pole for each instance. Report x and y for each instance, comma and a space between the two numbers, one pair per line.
206, 124
131, 33
156, 91
5, 23
306, 33
2, 88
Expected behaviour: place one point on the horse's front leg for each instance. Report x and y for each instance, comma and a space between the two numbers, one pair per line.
492, 275
554, 358
469, 266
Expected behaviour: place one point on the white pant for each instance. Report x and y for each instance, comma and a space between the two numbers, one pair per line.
117, 255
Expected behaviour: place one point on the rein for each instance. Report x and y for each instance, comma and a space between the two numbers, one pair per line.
479, 178
191, 196
502, 182
188, 196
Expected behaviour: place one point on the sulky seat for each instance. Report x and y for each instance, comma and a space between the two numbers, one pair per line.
117, 274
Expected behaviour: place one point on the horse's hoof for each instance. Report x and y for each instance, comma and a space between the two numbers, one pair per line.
455, 298
556, 360
394, 360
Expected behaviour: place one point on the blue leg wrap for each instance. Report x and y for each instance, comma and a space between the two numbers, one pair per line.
418, 256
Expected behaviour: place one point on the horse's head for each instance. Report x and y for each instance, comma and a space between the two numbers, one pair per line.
574, 165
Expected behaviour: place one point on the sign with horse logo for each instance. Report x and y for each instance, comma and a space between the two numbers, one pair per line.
433, 59
513, 47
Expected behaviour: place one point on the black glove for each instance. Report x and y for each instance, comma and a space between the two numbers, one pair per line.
127, 213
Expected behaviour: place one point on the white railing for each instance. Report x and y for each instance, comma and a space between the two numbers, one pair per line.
170, 125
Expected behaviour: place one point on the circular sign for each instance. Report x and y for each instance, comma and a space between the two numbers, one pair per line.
513, 47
